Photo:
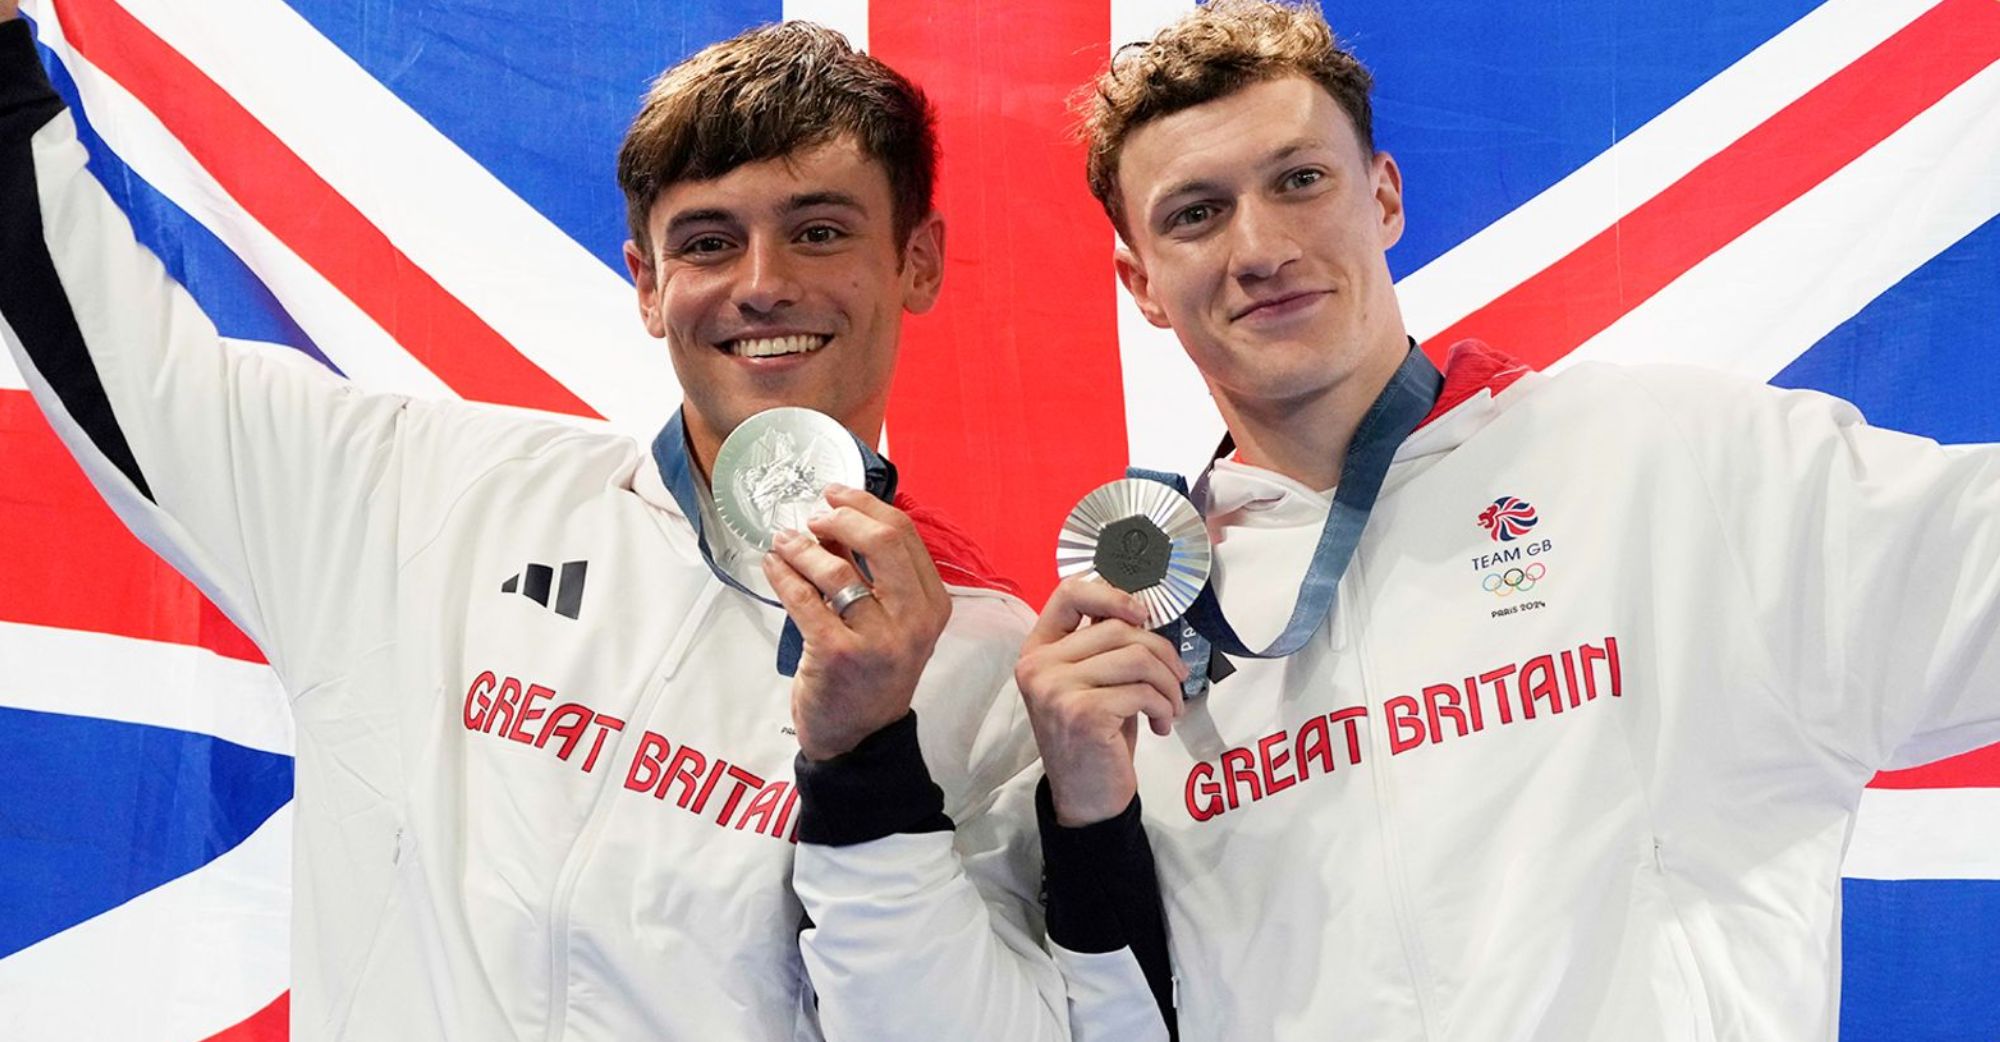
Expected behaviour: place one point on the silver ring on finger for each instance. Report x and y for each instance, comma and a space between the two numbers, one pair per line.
846, 597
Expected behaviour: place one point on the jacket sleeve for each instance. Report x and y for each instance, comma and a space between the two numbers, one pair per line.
1107, 926
919, 894
1869, 559
269, 481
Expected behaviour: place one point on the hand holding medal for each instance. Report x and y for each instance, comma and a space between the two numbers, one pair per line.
1092, 665
788, 480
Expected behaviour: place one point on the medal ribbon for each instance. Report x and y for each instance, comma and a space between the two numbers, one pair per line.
676, 463
1410, 395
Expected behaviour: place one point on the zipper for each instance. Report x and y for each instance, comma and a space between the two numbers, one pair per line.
586, 839
1352, 640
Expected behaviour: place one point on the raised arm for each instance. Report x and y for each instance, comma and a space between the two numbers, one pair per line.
261, 475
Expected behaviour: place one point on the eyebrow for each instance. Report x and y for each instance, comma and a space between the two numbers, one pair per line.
807, 200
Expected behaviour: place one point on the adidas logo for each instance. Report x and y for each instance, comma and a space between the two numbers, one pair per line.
534, 583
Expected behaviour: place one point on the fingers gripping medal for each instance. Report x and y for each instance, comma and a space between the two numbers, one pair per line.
772, 471
1142, 537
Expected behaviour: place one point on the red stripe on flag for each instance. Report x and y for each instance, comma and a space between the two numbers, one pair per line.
270, 1024
1017, 368
71, 564
1579, 296
1978, 769
276, 188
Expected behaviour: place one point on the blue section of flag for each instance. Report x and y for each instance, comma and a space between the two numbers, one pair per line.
1920, 357
1487, 105
540, 95
1921, 961
233, 297
98, 812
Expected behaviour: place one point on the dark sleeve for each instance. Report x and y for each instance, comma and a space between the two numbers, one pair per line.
879, 788
1103, 893
26, 99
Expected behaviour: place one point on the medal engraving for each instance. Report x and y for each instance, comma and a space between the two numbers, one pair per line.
1132, 554
772, 471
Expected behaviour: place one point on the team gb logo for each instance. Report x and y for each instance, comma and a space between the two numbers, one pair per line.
1507, 519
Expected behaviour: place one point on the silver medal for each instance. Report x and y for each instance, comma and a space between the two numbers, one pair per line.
772, 471
1142, 537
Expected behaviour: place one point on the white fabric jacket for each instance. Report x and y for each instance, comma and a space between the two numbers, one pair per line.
1590, 781
545, 763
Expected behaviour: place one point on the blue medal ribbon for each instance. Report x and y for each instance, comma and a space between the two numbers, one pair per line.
1409, 396
676, 463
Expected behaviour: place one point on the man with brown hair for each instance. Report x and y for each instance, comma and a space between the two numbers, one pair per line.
1556, 724
565, 767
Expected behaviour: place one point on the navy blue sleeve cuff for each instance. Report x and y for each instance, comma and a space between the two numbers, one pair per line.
1103, 892
879, 788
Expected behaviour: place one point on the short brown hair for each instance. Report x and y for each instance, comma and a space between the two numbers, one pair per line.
767, 93
1219, 48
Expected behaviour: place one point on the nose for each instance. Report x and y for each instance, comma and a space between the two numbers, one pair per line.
1261, 242
767, 280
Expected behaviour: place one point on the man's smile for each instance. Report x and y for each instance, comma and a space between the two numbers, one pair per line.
771, 346
1280, 306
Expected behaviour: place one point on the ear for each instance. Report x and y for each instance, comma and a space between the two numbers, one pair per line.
1388, 179
1133, 275
646, 279
923, 264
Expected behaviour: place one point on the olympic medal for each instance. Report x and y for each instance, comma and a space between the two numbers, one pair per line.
1142, 537
772, 471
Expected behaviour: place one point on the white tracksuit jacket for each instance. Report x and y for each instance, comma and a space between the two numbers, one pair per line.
544, 766
1603, 797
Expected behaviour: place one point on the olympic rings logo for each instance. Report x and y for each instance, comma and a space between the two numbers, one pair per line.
1514, 580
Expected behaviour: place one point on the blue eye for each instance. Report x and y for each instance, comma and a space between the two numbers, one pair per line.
1189, 216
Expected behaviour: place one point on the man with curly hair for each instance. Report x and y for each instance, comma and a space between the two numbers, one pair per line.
1553, 695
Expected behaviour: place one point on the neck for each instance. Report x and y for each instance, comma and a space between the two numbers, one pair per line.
1306, 439
703, 444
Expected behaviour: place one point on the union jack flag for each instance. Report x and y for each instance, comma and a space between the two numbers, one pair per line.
419, 194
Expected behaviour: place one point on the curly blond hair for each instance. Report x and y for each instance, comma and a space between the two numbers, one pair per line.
1215, 50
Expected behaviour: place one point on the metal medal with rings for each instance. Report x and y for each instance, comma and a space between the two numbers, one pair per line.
772, 472
1142, 537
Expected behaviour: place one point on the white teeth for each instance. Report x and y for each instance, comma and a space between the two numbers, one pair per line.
770, 347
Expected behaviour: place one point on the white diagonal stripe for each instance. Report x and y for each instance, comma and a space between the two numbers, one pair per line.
348, 337
148, 682
1755, 305
183, 961
1925, 834
548, 296
1574, 210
